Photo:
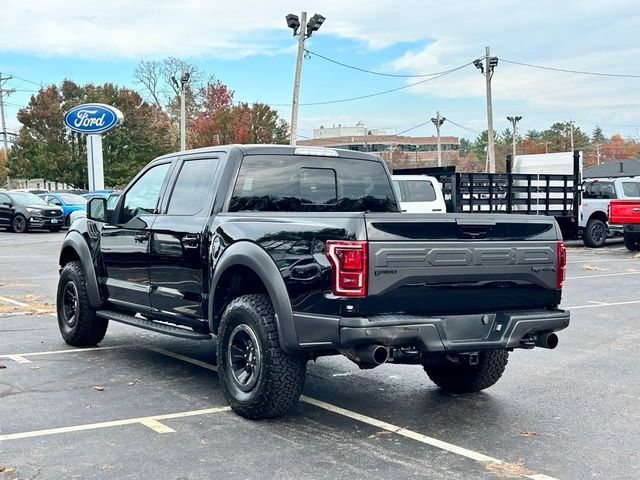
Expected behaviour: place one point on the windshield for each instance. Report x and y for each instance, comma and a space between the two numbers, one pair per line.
72, 199
26, 198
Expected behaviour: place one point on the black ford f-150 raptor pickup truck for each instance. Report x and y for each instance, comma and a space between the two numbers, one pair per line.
285, 254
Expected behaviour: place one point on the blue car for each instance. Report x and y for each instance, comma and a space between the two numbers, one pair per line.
69, 202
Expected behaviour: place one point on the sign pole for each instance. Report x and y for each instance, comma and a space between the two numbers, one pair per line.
95, 166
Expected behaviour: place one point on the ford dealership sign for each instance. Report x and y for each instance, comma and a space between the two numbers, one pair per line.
93, 118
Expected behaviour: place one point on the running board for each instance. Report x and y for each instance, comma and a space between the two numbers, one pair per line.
153, 325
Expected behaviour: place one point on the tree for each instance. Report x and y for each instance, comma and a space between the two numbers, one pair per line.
219, 121
465, 147
597, 136
45, 148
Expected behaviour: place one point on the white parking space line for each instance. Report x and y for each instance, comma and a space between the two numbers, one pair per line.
17, 358
177, 356
67, 350
603, 275
15, 302
114, 423
156, 426
605, 260
602, 304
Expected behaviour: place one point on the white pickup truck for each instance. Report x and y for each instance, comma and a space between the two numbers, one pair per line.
597, 193
419, 194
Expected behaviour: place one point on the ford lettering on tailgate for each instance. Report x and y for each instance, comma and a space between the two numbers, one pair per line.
389, 257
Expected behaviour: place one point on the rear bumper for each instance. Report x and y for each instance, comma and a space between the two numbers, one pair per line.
632, 228
457, 333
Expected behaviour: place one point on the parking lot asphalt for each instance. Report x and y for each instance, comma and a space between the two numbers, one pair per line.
143, 405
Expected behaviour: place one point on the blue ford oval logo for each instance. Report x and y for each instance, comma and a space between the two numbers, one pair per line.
93, 118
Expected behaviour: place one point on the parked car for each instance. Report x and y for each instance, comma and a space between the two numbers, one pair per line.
21, 211
96, 193
69, 202
419, 194
286, 254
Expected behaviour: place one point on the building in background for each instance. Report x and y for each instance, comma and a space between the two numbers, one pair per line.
397, 150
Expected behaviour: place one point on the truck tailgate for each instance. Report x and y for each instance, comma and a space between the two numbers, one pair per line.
624, 211
461, 263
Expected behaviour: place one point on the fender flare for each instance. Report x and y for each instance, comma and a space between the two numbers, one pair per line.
76, 241
250, 255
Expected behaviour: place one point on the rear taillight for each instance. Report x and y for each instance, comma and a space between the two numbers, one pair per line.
561, 268
349, 267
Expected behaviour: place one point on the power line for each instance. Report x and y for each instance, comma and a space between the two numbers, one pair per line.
600, 74
27, 80
343, 100
463, 127
378, 73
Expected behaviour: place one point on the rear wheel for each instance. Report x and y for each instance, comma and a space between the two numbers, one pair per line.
258, 379
19, 224
465, 378
632, 241
595, 233
77, 320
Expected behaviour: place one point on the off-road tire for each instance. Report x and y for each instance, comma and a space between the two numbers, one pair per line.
595, 233
279, 378
78, 326
632, 242
19, 224
465, 378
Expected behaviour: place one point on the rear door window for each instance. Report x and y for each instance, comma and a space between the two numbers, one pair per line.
417, 191
631, 189
192, 187
306, 183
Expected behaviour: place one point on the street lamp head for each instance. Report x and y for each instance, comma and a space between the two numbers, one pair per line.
493, 63
518, 119
510, 119
314, 24
293, 22
185, 78
478, 64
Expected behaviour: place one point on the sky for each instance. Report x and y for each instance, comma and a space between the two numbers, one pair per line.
247, 45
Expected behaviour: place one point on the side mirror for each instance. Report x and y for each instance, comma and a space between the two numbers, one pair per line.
8, 204
97, 209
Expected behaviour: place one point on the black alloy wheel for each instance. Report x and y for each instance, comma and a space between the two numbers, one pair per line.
70, 304
244, 357
19, 224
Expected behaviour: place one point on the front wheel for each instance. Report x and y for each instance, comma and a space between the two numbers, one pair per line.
595, 233
19, 224
258, 378
77, 320
465, 378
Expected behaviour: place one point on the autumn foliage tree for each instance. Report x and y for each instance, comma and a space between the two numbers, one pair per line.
220, 121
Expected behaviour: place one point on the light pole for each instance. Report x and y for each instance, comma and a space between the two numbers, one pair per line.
294, 23
184, 80
438, 121
514, 121
486, 69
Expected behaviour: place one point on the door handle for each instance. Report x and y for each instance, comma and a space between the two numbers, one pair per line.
190, 241
141, 237
636, 210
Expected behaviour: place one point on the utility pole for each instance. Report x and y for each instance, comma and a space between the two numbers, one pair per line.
514, 121
438, 121
4, 125
490, 63
571, 133
303, 30
181, 88
598, 153
296, 83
